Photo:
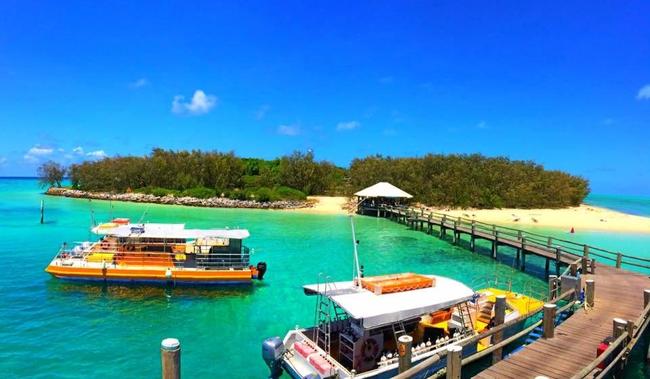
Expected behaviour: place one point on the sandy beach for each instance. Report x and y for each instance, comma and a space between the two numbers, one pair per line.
584, 217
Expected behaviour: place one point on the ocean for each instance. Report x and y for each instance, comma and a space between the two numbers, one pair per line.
51, 328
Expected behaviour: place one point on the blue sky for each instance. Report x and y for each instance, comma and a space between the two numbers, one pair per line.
561, 84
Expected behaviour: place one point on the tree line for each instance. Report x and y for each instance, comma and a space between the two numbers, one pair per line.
433, 179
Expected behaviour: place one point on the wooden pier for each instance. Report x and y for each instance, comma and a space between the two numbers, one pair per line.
617, 304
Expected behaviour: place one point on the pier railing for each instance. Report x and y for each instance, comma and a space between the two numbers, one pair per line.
560, 246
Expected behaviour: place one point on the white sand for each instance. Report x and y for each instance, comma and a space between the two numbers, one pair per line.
584, 217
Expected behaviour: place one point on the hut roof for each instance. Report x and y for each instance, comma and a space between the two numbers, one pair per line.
383, 189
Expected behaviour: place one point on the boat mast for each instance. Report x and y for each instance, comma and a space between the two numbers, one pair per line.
356, 254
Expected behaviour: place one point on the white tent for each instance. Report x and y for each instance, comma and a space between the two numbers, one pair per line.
383, 189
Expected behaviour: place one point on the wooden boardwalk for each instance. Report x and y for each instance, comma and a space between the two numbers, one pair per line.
619, 293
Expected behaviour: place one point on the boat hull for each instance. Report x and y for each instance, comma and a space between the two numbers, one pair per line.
156, 276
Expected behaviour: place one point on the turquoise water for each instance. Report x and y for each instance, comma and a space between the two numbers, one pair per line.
52, 328
637, 205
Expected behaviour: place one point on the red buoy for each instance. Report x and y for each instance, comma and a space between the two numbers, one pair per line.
573, 230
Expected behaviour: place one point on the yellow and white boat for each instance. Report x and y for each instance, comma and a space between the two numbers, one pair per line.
159, 254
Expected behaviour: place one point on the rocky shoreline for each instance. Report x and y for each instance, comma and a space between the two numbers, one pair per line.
213, 202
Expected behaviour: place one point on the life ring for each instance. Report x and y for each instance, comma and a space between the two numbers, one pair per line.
369, 350
105, 245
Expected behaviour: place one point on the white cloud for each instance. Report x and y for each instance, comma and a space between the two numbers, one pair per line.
262, 111
482, 125
201, 103
142, 82
97, 154
78, 150
347, 125
289, 130
644, 93
36, 153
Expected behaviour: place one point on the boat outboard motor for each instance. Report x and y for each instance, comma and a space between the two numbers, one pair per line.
261, 270
272, 351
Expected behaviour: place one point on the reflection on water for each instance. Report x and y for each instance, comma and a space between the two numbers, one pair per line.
139, 292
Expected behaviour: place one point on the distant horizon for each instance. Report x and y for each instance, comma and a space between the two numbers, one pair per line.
546, 82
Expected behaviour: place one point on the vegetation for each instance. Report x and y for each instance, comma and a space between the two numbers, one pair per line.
472, 181
51, 174
442, 180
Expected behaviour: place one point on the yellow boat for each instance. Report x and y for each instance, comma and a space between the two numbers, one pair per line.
442, 323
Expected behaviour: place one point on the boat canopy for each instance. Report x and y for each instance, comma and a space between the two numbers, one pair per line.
376, 310
153, 230
383, 189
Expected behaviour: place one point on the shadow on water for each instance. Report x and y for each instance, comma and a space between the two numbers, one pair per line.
138, 292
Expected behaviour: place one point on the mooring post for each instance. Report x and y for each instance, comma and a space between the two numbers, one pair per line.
574, 269
619, 260
558, 260
170, 356
646, 298
499, 318
590, 292
42, 210
404, 344
454, 361
620, 326
593, 266
552, 286
549, 320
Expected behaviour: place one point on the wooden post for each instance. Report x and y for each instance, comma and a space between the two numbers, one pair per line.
42, 210
404, 344
619, 260
494, 249
590, 292
546, 265
630, 329
523, 253
558, 260
455, 236
646, 298
574, 269
552, 286
499, 318
429, 229
170, 356
494, 229
549, 243
519, 235
549, 320
518, 258
619, 327
593, 265
454, 363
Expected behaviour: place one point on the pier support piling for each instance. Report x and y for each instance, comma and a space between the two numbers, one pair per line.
552, 286
619, 260
404, 344
585, 259
499, 318
549, 320
454, 363
170, 356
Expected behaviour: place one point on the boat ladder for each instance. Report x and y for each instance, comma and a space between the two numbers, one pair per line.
324, 317
465, 316
398, 331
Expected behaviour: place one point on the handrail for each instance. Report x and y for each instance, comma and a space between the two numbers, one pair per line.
533, 239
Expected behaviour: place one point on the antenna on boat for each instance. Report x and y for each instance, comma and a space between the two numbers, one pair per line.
142, 217
357, 268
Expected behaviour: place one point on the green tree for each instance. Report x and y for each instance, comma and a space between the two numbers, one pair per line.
51, 174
